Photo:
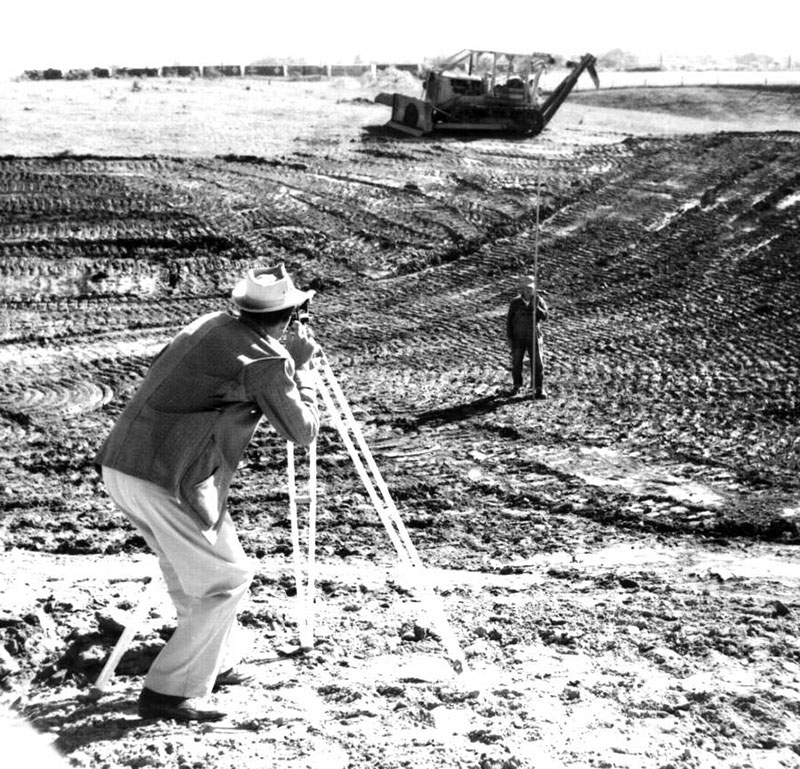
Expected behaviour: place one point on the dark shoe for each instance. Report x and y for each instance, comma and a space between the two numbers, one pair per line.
232, 677
540, 395
162, 707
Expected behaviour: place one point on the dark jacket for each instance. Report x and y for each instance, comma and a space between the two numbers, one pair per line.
189, 423
519, 321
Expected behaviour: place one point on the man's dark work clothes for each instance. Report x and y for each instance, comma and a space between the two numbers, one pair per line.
521, 338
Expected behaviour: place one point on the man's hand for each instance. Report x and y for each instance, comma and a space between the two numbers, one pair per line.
300, 344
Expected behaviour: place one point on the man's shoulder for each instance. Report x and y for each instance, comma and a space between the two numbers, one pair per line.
215, 333
217, 318
208, 322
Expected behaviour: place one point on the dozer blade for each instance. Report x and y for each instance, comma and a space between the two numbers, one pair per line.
398, 126
411, 113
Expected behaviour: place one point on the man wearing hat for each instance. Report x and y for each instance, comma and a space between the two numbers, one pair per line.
520, 335
169, 460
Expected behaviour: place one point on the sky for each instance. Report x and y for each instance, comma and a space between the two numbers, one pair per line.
69, 34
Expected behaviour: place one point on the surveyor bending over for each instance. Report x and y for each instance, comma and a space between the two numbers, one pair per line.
169, 460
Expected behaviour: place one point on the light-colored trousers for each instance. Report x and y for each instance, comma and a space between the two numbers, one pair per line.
205, 582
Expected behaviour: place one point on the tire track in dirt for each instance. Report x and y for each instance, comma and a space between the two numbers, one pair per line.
698, 409
661, 260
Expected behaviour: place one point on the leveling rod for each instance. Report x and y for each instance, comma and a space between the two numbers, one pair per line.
535, 298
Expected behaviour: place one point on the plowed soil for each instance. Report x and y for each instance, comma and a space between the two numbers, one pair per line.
618, 561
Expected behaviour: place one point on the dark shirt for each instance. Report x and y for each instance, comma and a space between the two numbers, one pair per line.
519, 321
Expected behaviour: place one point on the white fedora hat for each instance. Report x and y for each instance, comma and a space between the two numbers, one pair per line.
267, 289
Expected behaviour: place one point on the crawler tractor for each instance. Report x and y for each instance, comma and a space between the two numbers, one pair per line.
485, 90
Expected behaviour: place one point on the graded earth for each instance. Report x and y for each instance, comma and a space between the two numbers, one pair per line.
618, 562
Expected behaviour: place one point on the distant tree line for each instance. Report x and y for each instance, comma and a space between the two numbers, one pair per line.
620, 60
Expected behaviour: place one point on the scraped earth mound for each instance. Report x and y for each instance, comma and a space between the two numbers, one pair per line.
618, 559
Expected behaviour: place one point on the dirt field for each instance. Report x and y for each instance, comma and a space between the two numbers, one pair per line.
618, 562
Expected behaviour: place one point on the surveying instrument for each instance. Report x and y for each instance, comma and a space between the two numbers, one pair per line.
339, 411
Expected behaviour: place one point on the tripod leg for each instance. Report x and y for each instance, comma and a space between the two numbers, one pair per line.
131, 628
308, 640
393, 514
388, 513
377, 503
295, 529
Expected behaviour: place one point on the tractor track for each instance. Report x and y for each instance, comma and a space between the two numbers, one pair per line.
669, 264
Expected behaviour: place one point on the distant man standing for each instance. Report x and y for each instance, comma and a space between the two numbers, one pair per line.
521, 337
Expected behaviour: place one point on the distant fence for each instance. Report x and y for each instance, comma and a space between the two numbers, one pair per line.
288, 71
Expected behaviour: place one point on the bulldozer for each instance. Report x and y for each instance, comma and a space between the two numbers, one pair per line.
485, 91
